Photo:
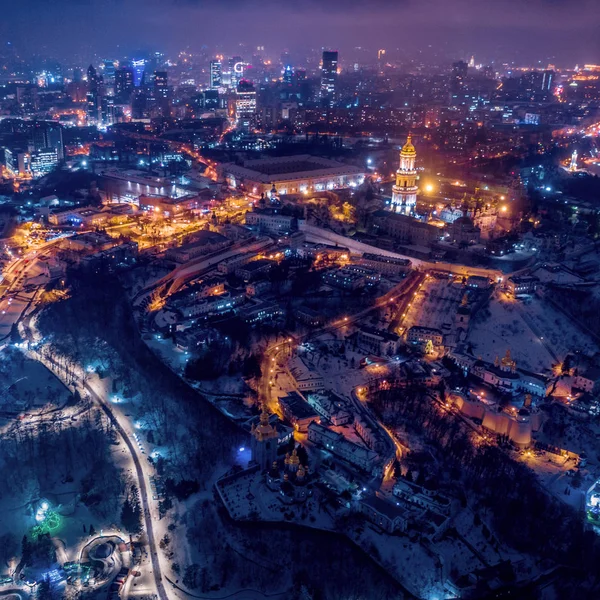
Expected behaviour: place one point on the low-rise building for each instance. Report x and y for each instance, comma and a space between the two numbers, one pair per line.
205, 242
258, 288
324, 252
422, 496
230, 265
311, 318
297, 411
526, 284
377, 341
384, 514
167, 206
479, 282
421, 335
213, 305
121, 255
260, 312
404, 228
331, 407
254, 269
588, 380
85, 216
338, 445
305, 378
386, 265
298, 174
270, 220
368, 432
345, 279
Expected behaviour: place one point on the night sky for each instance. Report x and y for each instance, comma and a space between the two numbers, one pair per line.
561, 31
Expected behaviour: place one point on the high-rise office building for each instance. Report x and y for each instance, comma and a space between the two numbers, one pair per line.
547, 80
93, 94
161, 92
47, 135
110, 68
139, 67
288, 75
329, 69
216, 78
123, 85
245, 104
236, 68
458, 95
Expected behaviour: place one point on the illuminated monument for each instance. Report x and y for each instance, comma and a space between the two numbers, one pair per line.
404, 193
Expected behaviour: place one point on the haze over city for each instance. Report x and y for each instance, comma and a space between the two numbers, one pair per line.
556, 30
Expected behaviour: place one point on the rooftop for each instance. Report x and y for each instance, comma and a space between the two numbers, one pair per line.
272, 170
383, 507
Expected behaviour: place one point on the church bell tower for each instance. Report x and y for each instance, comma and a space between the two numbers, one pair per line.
404, 193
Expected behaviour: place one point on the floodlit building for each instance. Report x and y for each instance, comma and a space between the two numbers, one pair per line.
526, 284
301, 174
167, 206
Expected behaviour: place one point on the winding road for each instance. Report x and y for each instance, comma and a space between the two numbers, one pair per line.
52, 365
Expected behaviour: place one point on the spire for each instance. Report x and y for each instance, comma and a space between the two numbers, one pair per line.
264, 415
264, 430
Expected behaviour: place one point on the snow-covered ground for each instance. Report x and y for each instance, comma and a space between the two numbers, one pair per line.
505, 329
536, 334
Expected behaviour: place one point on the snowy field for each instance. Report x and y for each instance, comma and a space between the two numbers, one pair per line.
506, 330
435, 304
536, 334
559, 333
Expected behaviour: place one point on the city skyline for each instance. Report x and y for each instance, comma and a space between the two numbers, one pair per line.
543, 30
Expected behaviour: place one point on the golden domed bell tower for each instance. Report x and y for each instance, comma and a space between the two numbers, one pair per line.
264, 441
404, 193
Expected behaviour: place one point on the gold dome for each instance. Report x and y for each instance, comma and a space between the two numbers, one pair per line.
408, 149
294, 458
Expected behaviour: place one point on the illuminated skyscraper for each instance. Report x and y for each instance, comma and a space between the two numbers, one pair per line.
123, 85
46, 135
109, 67
329, 76
236, 68
216, 78
161, 86
93, 95
404, 193
245, 104
547, 79
139, 66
